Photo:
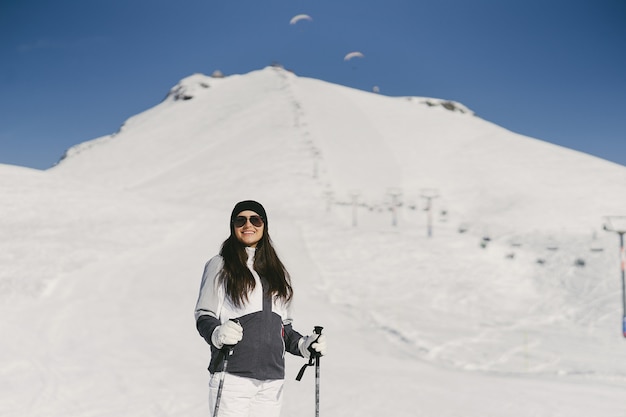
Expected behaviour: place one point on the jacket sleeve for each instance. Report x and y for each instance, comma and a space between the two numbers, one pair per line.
290, 336
292, 339
210, 299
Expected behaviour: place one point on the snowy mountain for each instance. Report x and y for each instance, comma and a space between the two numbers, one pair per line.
504, 310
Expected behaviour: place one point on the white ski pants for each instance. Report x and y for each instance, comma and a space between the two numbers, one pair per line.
246, 397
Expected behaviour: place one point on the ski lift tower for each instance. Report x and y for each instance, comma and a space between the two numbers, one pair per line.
396, 194
316, 158
329, 199
429, 194
355, 203
617, 224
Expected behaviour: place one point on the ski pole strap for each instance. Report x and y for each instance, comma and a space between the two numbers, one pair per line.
306, 365
223, 354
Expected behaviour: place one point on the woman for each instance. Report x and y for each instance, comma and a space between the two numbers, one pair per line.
244, 303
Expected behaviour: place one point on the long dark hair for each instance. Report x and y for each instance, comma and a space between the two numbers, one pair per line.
237, 278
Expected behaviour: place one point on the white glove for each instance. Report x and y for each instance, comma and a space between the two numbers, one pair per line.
316, 342
228, 333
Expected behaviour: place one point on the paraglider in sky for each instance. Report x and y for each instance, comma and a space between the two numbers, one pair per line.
355, 54
299, 17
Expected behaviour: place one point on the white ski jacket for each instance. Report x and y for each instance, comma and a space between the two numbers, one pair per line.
266, 322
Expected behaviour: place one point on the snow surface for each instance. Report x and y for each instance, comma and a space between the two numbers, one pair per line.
491, 316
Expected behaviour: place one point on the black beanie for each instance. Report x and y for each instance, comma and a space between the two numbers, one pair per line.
248, 205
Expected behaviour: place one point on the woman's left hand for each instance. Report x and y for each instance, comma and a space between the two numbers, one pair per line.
315, 343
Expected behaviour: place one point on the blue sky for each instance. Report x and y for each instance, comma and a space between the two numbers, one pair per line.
74, 70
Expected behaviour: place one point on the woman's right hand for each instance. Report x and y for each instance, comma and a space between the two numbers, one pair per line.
228, 333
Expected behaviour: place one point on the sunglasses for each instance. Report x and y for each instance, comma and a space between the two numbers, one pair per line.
240, 221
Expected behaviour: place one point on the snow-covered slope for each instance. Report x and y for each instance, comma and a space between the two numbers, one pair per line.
505, 310
357, 142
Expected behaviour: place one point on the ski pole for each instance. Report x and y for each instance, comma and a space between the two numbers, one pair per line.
227, 352
314, 359
317, 330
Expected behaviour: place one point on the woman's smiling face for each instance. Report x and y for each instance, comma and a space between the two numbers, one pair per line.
248, 234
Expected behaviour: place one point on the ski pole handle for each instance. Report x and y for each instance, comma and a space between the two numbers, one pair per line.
314, 358
316, 330
228, 349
